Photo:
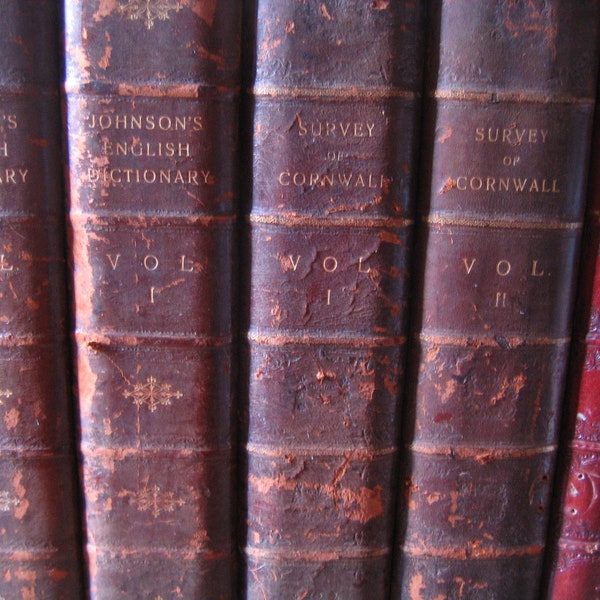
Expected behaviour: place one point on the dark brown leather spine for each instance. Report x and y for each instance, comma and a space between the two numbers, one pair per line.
152, 97
510, 89
574, 556
333, 103
39, 513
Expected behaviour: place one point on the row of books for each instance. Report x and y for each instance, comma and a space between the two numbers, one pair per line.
307, 322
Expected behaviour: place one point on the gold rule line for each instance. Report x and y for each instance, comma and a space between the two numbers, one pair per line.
472, 552
95, 451
346, 453
316, 556
339, 93
99, 342
481, 454
499, 96
124, 551
442, 221
281, 339
108, 220
189, 91
296, 220
506, 341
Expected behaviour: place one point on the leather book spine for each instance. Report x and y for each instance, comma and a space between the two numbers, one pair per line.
509, 100
39, 496
152, 113
333, 105
573, 569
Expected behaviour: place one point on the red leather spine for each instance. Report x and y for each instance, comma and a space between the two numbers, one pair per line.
152, 97
574, 557
334, 96
39, 510
508, 112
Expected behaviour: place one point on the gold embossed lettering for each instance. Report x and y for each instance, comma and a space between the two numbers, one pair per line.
330, 264
360, 266
346, 179
464, 183
511, 161
186, 264
512, 135
534, 269
139, 149
336, 155
138, 122
294, 264
11, 121
344, 129
469, 265
503, 268
13, 176
150, 176
150, 262
114, 260
501, 300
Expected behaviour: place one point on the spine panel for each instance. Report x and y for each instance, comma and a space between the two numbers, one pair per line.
573, 565
504, 163
39, 513
152, 96
333, 107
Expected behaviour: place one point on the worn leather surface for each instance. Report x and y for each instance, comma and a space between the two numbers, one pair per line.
332, 106
573, 568
152, 100
39, 518
508, 113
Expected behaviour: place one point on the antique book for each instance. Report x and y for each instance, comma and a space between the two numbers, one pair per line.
573, 565
39, 497
152, 113
509, 99
332, 113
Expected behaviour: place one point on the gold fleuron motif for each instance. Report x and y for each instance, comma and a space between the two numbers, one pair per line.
152, 394
150, 10
4, 394
153, 500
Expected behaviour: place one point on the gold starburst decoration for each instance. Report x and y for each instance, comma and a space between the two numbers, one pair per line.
152, 394
153, 500
5, 394
150, 10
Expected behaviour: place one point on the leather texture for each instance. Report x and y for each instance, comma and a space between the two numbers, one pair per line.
332, 113
574, 560
39, 514
152, 102
507, 121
